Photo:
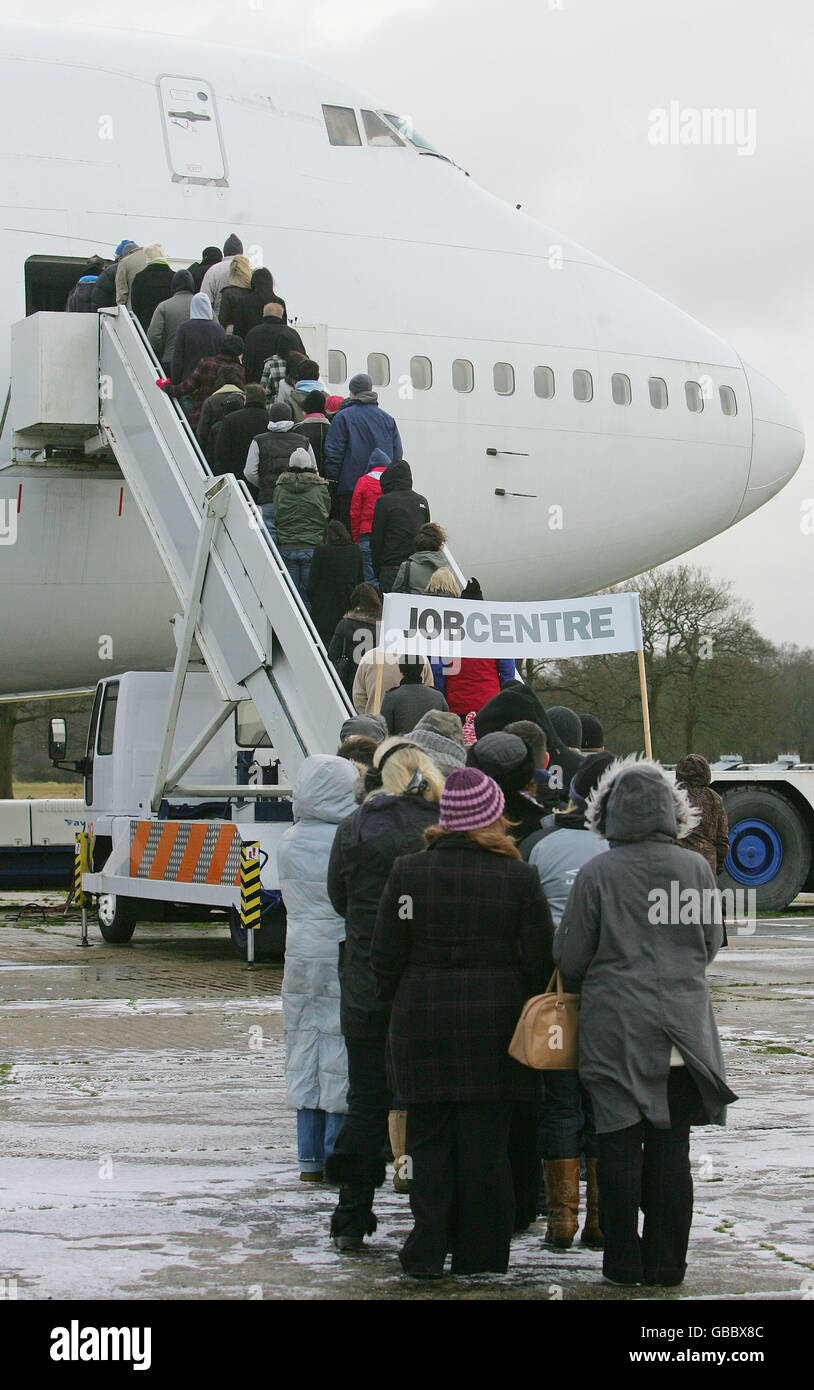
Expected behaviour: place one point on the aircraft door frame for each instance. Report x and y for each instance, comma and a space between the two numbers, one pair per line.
189, 113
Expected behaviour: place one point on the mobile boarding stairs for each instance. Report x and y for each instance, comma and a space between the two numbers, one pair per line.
86, 383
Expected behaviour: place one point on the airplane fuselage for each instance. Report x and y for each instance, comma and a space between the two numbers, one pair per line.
542, 395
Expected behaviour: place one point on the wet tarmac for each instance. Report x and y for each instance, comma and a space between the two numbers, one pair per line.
147, 1150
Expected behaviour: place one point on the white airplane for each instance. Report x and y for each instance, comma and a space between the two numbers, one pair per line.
569, 427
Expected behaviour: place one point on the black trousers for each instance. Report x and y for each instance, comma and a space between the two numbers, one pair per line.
357, 1162
642, 1166
387, 577
461, 1193
524, 1158
343, 501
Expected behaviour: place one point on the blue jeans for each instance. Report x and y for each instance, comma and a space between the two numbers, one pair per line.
316, 1136
298, 564
267, 508
567, 1125
367, 561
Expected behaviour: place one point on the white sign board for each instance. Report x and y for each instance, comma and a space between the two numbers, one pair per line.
435, 626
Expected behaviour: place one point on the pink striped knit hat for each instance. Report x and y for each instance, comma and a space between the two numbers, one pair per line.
470, 800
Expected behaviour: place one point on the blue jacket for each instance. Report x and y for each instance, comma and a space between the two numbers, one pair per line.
356, 430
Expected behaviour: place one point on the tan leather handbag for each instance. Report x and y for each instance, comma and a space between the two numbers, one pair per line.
547, 1032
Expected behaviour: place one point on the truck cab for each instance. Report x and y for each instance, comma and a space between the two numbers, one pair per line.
204, 821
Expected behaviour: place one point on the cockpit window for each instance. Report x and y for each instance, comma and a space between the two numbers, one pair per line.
404, 126
341, 125
379, 133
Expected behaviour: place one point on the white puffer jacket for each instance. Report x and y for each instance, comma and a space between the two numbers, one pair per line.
316, 1065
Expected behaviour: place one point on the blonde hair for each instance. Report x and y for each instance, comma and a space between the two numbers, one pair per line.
400, 768
444, 582
240, 272
492, 837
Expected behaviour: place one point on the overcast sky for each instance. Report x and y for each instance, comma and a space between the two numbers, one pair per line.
547, 104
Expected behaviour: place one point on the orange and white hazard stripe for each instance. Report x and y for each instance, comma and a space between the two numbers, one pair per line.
185, 851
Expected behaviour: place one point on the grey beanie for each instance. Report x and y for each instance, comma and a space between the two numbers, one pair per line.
281, 410
359, 383
567, 724
505, 758
369, 725
447, 755
445, 723
302, 462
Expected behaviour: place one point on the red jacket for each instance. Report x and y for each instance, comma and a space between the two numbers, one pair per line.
366, 494
476, 682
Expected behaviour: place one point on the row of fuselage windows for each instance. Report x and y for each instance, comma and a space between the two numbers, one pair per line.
696, 393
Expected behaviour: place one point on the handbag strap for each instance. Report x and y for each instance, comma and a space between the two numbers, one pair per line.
558, 977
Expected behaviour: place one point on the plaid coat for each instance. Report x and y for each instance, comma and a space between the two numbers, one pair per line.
463, 937
274, 370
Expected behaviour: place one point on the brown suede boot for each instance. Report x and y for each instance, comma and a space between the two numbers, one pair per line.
397, 1128
591, 1232
562, 1197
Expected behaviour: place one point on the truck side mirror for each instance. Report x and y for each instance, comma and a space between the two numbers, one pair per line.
57, 740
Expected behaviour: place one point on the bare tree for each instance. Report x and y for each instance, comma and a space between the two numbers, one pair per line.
14, 714
796, 700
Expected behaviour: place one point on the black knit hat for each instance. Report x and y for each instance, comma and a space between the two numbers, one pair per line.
516, 701
590, 771
568, 725
505, 758
593, 735
314, 403
233, 246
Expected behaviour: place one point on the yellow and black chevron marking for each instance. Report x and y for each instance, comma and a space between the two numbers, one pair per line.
249, 885
81, 865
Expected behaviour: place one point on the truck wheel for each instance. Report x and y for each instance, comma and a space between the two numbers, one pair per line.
769, 847
269, 937
116, 917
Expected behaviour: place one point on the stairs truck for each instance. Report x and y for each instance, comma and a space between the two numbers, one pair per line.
166, 810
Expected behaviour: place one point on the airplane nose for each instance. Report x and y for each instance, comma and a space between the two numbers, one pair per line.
778, 442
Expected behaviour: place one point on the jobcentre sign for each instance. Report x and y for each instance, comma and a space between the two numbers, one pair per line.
417, 624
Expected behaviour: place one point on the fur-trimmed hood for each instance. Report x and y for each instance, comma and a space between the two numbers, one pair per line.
636, 799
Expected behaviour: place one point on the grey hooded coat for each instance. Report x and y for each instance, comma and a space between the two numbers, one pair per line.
316, 1064
641, 969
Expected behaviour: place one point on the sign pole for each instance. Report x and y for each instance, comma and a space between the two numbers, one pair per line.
648, 746
377, 694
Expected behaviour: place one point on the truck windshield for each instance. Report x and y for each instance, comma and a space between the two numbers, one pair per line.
107, 722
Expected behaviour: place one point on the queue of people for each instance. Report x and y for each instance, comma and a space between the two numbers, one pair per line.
462, 845
458, 881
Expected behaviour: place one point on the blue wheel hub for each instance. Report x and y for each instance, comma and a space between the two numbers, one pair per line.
755, 852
